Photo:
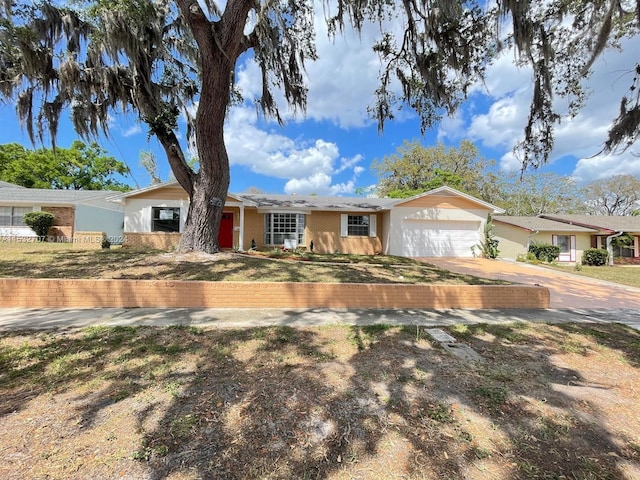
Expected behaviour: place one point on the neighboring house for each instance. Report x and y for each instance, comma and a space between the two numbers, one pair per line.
73, 210
572, 233
441, 222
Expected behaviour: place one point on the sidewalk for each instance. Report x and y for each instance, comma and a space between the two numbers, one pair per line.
42, 318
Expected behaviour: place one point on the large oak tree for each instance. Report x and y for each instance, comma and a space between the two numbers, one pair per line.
159, 58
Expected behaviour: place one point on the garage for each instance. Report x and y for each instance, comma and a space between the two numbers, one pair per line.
429, 238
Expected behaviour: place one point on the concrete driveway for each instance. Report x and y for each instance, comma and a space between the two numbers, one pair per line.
567, 290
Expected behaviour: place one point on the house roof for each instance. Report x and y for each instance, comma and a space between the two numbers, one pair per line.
613, 223
4, 184
17, 195
313, 202
534, 224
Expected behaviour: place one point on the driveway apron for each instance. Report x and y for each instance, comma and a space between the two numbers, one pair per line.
567, 290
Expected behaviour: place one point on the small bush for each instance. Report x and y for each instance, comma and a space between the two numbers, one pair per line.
595, 257
39, 222
106, 243
545, 252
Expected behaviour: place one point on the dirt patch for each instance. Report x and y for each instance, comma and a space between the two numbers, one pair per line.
378, 402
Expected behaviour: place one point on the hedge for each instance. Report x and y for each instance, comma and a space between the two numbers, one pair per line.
595, 257
545, 252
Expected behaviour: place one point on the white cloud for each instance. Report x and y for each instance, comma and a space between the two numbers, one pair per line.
605, 166
132, 130
452, 128
503, 78
507, 94
502, 125
308, 166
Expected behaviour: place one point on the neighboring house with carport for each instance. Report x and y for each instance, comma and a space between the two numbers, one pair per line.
572, 233
74, 211
441, 222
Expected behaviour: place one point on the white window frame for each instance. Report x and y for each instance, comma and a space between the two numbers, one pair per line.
279, 221
569, 256
344, 225
15, 220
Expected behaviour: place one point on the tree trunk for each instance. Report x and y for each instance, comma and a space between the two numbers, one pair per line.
219, 44
206, 204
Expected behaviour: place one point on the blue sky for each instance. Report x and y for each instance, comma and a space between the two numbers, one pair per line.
329, 151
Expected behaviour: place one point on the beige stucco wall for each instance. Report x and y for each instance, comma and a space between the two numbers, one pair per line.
172, 192
514, 240
445, 201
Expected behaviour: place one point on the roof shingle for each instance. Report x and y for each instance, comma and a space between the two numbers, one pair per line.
541, 224
617, 223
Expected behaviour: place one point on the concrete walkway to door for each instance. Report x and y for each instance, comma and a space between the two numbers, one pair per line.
567, 290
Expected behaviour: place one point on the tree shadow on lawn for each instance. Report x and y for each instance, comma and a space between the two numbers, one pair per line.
337, 402
393, 407
133, 264
74, 263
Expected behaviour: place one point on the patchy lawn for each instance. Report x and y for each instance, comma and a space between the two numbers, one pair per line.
42, 260
624, 275
377, 402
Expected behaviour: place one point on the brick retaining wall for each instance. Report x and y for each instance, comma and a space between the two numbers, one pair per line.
19, 292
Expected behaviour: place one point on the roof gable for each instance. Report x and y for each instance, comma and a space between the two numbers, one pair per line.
446, 191
171, 190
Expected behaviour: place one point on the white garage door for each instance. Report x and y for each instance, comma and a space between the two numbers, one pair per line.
427, 238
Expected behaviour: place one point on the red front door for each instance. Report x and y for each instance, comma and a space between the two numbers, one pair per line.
225, 236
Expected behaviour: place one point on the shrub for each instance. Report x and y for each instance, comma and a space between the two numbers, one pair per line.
488, 247
545, 252
39, 222
595, 257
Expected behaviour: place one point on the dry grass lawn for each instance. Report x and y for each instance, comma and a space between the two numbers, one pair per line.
378, 402
42, 260
622, 274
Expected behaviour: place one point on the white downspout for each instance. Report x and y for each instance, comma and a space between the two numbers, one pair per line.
610, 248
